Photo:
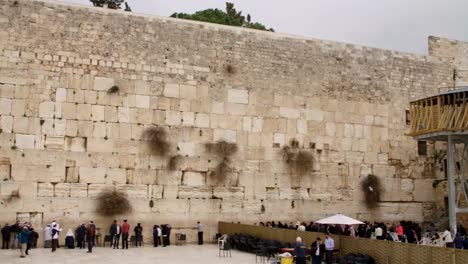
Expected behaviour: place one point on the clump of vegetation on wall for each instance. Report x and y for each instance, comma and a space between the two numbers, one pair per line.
13, 196
158, 141
114, 89
372, 188
298, 160
224, 151
174, 162
112, 202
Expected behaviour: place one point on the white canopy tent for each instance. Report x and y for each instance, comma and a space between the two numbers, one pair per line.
339, 219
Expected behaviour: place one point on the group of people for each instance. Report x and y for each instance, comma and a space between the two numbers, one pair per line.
161, 234
23, 236
318, 250
404, 231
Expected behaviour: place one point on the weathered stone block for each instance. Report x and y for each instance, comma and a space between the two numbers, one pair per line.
78, 190
192, 178
92, 175
238, 96
103, 83
202, 192
228, 192
45, 190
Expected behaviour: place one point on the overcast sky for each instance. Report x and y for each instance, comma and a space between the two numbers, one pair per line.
402, 25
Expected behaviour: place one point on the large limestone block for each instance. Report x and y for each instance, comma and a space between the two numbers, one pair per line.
194, 192
97, 113
45, 189
202, 120
288, 112
142, 101
95, 189
5, 106
186, 148
188, 92
228, 192
6, 124
84, 111
62, 190
171, 90
50, 110
239, 96
231, 206
103, 83
313, 115
169, 178
173, 118
100, 145
52, 142
156, 191
92, 175
61, 95
142, 176
36, 173
134, 190
192, 178
178, 207
116, 176
423, 190
76, 144
78, 190
25, 141
225, 134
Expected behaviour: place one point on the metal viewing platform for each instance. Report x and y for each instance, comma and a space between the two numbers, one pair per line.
444, 117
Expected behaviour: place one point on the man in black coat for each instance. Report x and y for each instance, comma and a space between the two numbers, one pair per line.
6, 237
80, 236
318, 249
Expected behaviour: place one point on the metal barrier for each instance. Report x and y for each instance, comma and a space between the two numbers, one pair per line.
384, 252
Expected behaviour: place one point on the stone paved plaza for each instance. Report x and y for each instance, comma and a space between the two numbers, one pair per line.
193, 254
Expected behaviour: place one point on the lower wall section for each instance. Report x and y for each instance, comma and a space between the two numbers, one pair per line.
382, 251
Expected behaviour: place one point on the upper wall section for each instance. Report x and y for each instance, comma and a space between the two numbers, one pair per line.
122, 44
455, 53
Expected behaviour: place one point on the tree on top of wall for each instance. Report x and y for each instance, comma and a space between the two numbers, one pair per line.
111, 4
230, 17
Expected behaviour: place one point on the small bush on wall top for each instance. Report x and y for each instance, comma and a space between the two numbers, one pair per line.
371, 187
299, 161
158, 141
112, 202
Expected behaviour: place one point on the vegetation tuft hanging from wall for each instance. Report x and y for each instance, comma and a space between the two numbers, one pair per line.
371, 187
112, 202
298, 160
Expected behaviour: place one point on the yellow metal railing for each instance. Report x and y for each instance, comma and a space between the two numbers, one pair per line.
445, 112
385, 252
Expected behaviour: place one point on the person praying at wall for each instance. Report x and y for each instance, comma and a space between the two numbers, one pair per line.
138, 234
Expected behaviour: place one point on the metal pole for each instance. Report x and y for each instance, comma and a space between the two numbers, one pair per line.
451, 187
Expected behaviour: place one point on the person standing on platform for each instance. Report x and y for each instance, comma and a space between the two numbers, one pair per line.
329, 247
125, 230
200, 233
300, 251
318, 249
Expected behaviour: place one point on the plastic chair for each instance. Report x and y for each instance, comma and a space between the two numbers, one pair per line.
107, 238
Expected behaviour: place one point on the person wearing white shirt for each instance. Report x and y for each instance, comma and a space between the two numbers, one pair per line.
447, 238
329, 247
379, 233
317, 251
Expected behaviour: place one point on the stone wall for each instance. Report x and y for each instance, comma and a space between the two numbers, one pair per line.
64, 139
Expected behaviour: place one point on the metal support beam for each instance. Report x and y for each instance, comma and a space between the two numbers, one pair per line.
452, 203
